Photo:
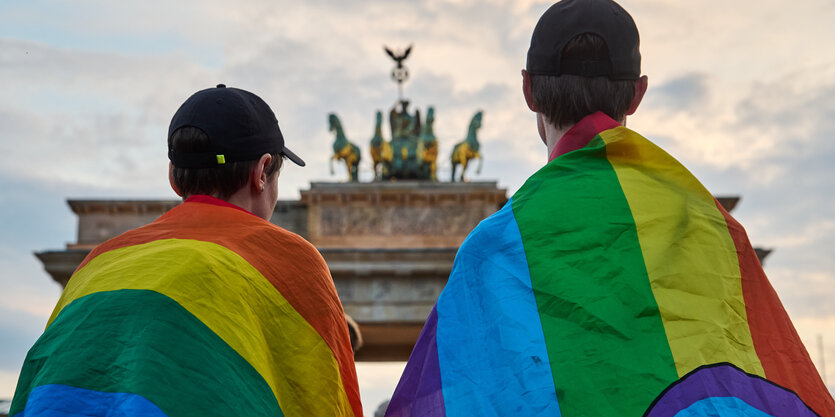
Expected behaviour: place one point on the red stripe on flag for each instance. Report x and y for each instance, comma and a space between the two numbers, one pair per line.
781, 352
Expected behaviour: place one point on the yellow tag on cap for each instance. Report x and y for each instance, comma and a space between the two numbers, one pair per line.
221, 160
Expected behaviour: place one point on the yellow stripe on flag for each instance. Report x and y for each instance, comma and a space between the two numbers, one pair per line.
704, 317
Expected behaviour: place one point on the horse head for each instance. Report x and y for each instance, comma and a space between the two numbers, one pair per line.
377, 139
472, 134
476, 122
427, 133
333, 123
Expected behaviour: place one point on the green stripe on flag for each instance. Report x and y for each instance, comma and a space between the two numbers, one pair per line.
606, 342
142, 342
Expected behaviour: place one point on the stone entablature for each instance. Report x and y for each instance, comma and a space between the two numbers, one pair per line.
100, 220
403, 214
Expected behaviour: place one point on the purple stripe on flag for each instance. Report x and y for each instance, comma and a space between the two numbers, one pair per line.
419, 394
725, 380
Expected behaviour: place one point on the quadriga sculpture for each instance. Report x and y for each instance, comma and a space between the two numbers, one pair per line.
343, 148
467, 149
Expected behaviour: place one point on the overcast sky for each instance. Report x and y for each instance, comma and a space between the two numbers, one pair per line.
742, 92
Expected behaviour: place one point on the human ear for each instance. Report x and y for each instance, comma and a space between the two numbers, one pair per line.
640, 88
527, 91
171, 179
258, 174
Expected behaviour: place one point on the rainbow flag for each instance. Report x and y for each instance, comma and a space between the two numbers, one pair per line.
208, 311
611, 284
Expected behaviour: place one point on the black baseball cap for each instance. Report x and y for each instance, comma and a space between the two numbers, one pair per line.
569, 18
240, 127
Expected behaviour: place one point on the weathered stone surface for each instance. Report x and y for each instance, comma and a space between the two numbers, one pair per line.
389, 285
291, 215
404, 214
100, 220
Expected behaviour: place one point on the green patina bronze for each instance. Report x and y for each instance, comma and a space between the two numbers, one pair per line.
405, 128
428, 146
381, 152
467, 149
412, 152
343, 148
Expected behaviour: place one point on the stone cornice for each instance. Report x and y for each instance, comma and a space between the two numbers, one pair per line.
117, 207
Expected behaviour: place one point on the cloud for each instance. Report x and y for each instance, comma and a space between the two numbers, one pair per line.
378, 382
687, 93
115, 104
8, 382
748, 40
19, 330
87, 117
37, 218
766, 129
818, 335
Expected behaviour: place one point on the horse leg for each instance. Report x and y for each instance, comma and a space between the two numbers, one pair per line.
348, 168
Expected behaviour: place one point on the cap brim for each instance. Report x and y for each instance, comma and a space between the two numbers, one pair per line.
293, 157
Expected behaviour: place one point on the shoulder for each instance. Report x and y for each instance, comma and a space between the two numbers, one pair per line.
281, 242
493, 238
272, 246
494, 224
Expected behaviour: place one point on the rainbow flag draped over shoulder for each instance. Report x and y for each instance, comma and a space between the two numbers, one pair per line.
208, 311
612, 284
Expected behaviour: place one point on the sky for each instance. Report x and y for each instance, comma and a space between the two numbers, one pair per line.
742, 93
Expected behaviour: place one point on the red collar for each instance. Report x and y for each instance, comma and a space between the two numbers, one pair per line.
207, 199
581, 133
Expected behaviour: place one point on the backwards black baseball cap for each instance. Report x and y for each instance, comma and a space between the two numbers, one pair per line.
240, 127
569, 18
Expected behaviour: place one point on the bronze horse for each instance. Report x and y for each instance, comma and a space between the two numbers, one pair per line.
467, 149
343, 149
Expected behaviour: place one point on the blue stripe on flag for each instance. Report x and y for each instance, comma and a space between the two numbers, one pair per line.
491, 346
719, 407
55, 400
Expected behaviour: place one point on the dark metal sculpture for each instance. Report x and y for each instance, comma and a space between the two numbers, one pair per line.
399, 73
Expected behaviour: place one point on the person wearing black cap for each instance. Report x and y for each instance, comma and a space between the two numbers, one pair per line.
215, 140
612, 283
210, 310
583, 58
